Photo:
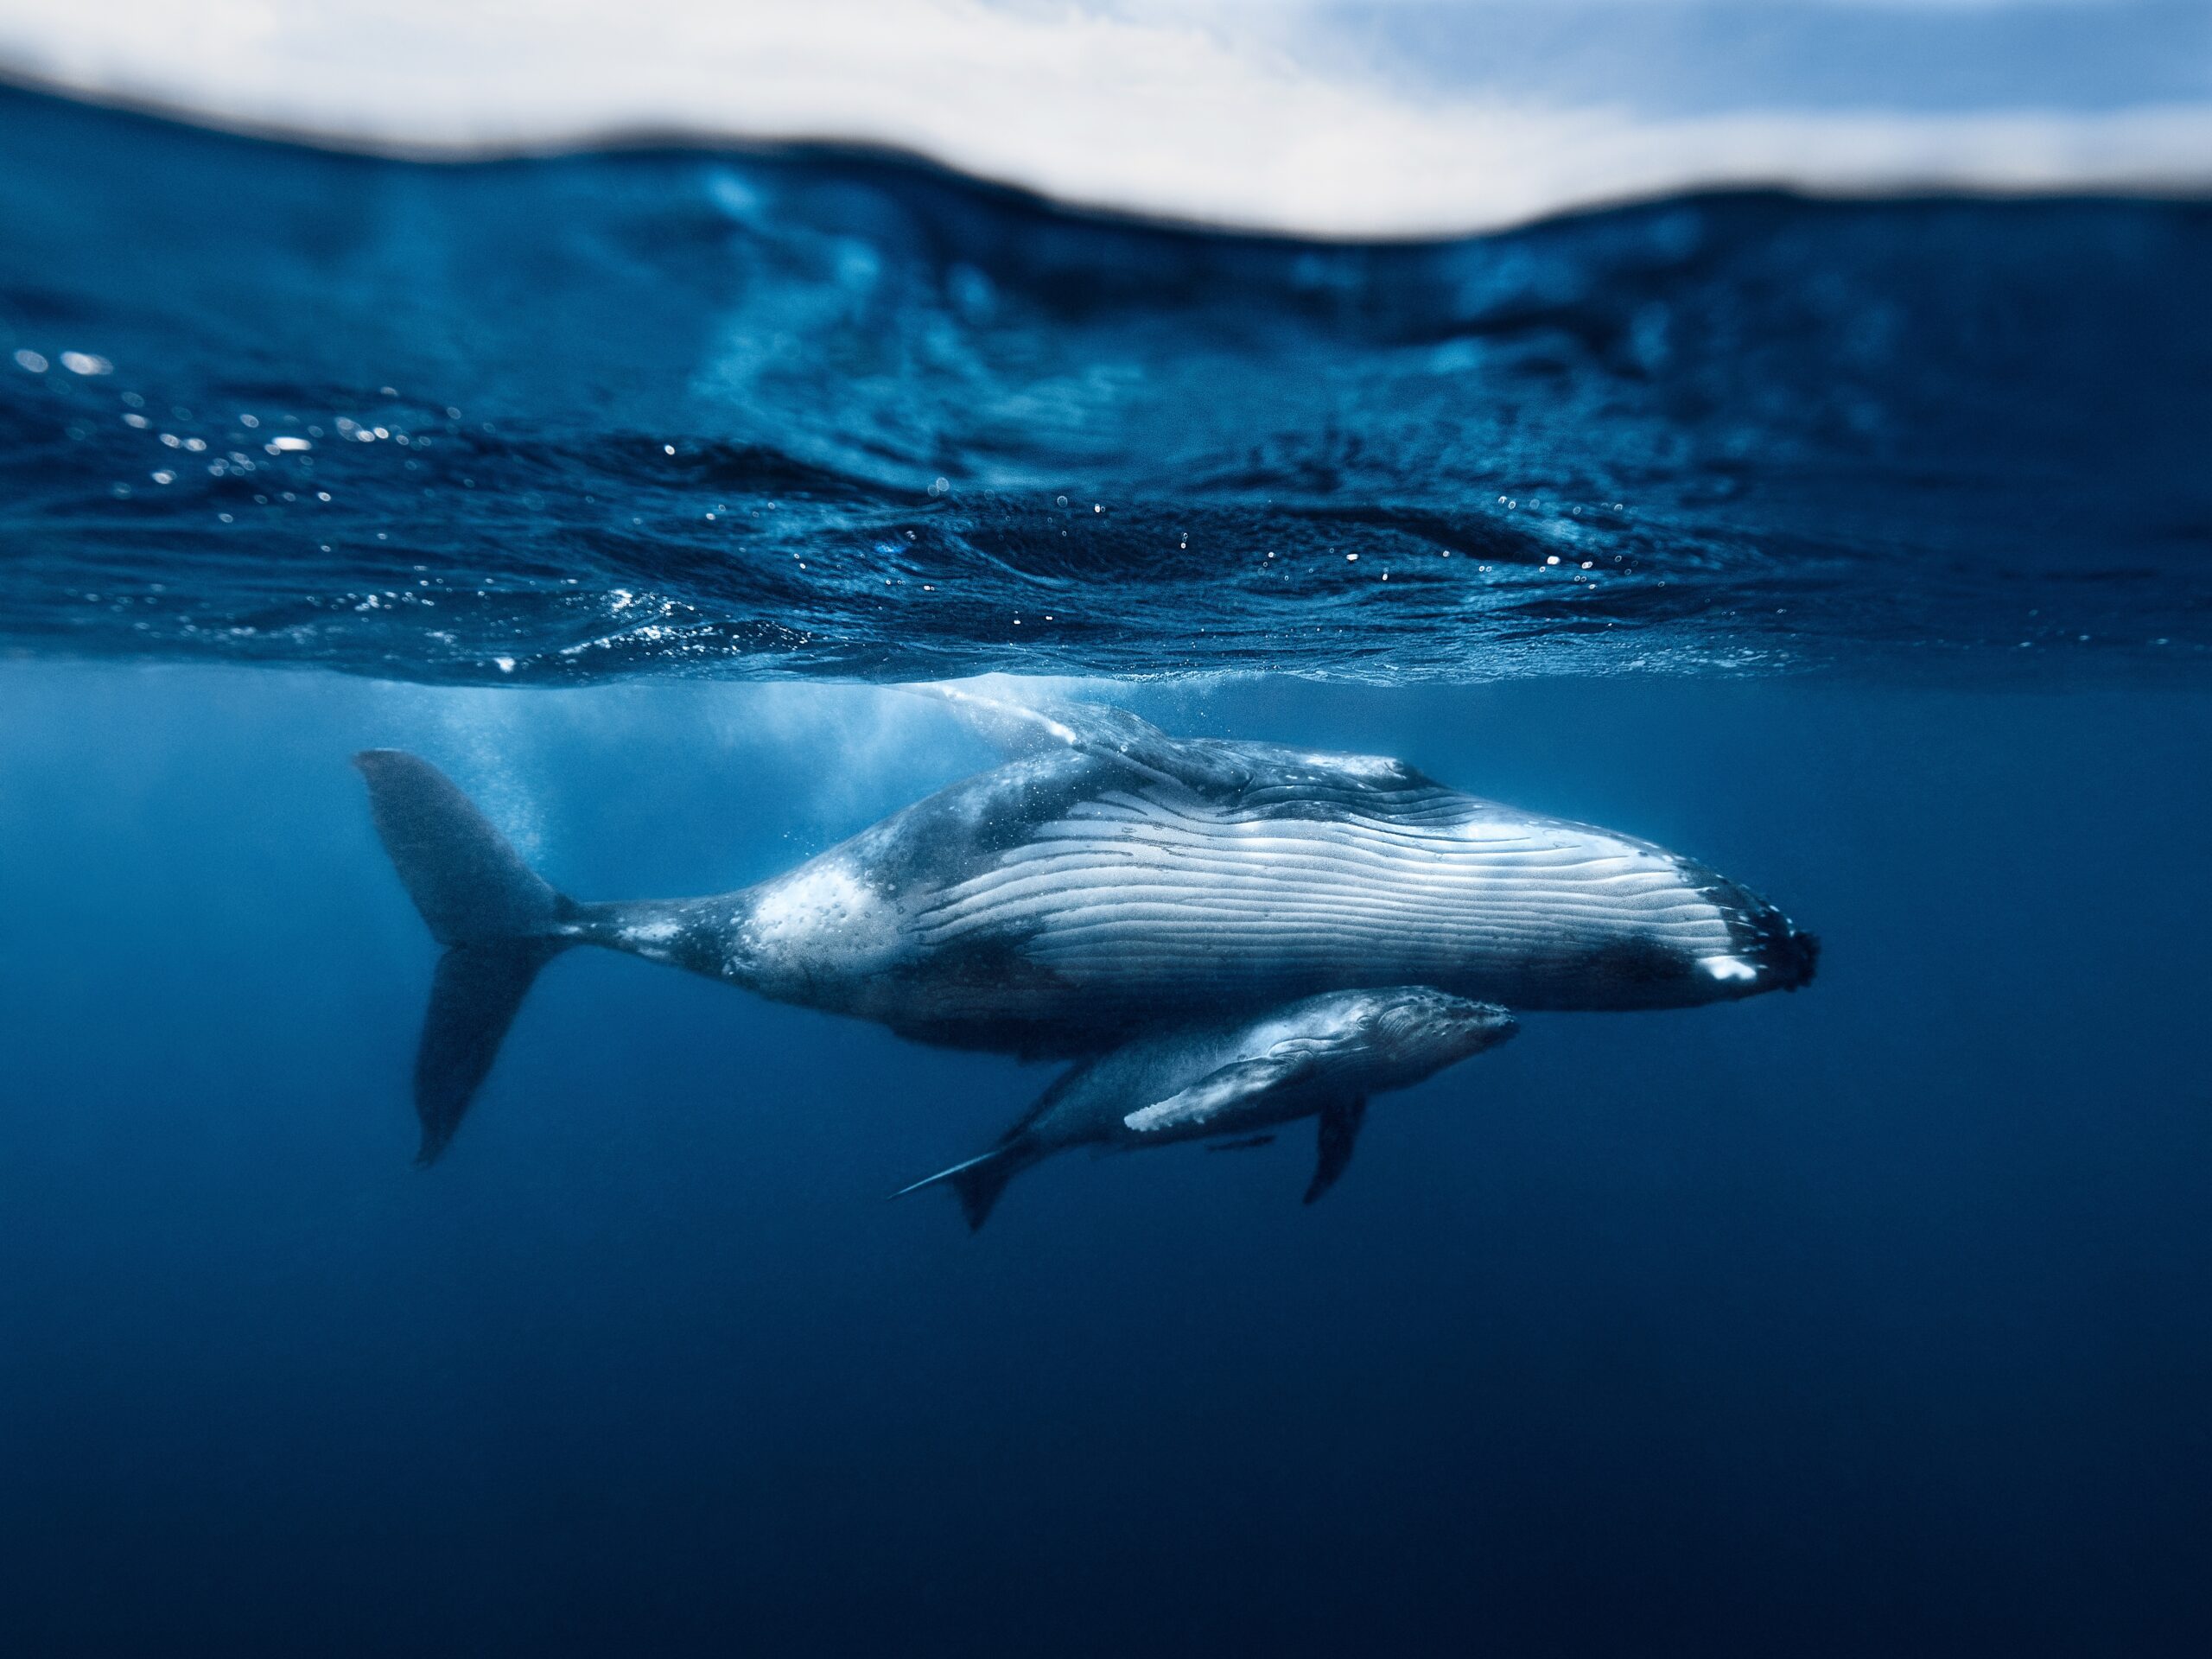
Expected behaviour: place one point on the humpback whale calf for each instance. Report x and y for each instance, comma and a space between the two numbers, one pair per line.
1322, 1056
1105, 882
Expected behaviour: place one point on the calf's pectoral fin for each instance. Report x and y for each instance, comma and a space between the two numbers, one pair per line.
1242, 1143
1219, 1093
1340, 1121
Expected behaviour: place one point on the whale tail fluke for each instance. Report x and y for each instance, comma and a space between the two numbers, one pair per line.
473, 998
497, 918
978, 1182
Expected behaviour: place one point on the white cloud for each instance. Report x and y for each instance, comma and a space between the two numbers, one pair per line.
1138, 109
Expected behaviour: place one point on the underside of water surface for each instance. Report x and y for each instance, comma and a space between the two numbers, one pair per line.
806, 412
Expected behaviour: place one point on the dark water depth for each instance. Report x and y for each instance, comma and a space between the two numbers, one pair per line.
1869, 1319
567, 419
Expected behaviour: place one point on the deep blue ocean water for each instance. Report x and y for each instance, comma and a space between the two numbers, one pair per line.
1868, 1320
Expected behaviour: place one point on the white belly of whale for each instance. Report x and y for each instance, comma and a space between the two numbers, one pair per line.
1143, 887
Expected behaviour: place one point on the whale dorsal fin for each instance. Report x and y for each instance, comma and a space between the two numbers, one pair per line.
1094, 728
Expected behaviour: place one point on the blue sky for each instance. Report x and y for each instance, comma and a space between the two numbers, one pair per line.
1676, 56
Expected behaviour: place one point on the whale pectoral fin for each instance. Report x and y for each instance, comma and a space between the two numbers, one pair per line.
1243, 1143
1094, 728
1219, 1093
1340, 1121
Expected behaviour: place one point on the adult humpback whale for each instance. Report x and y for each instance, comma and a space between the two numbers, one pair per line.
1107, 880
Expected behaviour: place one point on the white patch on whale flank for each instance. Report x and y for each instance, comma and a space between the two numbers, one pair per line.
822, 918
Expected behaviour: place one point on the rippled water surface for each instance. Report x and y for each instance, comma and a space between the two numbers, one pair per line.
753, 413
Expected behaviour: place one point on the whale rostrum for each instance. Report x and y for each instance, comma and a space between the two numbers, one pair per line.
1113, 895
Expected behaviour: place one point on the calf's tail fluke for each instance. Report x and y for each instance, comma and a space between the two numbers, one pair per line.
499, 921
976, 1183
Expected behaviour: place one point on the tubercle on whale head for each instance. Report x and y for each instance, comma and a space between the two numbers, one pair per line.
1772, 954
1795, 956
1766, 951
